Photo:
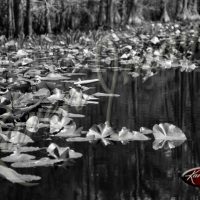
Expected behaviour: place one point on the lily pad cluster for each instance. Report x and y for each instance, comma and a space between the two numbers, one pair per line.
45, 77
165, 135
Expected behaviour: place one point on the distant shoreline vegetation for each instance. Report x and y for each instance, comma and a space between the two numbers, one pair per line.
18, 17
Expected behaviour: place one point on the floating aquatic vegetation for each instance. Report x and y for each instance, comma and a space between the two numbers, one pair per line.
79, 139
53, 77
70, 131
65, 113
44, 79
15, 137
56, 124
126, 135
166, 131
74, 94
145, 131
80, 82
43, 162
100, 132
21, 53
167, 144
43, 92
32, 124
57, 96
62, 152
78, 101
17, 157
100, 94
10, 147
14, 177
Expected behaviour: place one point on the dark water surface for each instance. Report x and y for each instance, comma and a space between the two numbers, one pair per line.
134, 171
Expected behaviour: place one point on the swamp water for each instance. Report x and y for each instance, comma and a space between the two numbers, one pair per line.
126, 171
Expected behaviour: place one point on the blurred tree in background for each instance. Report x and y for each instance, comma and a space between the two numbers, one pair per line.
18, 17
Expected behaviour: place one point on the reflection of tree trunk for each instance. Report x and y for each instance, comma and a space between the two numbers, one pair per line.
165, 16
11, 22
179, 8
195, 7
91, 174
19, 18
188, 10
138, 167
101, 15
117, 18
185, 10
136, 13
62, 16
193, 10
124, 13
29, 30
48, 20
110, 13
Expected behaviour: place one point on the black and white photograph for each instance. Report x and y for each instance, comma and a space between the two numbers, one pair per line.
99, 99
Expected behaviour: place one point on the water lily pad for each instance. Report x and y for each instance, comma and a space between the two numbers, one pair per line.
17, 157
80, 82
57, 124
166, 131
9, 147
100, 132
78, 139
21, 53
126, 135
43, 92
100, 94
54, 77
16, 137
145, 131
32, 124
62, 152
57, 96
70, 131
14, 177
43, 162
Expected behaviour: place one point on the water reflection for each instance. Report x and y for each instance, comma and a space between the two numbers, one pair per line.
133, 171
